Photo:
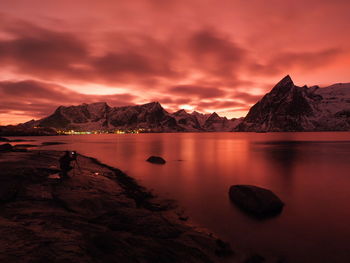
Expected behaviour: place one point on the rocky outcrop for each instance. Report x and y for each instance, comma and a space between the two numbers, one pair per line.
256, 201
288, 107
52, 143
156, 160
6, 147
97, 215
17, 148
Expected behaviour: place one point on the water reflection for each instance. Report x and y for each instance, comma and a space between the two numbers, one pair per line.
309, 171
281, 158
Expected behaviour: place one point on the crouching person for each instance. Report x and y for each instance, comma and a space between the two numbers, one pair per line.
65, 164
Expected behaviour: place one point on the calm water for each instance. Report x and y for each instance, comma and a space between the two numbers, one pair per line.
309, 171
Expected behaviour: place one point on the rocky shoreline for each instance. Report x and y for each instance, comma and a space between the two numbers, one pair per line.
99, 214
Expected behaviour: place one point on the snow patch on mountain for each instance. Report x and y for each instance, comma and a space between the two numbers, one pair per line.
288, 107
149, 117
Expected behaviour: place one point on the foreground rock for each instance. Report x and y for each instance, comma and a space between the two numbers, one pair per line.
156, 160
6, 147
98, 215
256, 201
3, 139
17, 148
52, 143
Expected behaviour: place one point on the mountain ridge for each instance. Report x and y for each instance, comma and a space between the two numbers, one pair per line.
288, 107
150, 117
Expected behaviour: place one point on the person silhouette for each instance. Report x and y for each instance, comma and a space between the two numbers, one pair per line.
65, 166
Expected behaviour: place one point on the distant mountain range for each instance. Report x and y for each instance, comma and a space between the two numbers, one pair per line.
286, 107
150, 117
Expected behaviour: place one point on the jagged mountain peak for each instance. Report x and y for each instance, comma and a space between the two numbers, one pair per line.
93, 104
151, 104
286, 80
180, 112
196, 113
288, 77
214, 115
150, 116
292, 108
155, 107
100, 103
284, 85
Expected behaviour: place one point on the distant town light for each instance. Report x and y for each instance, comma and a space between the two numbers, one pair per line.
119, 131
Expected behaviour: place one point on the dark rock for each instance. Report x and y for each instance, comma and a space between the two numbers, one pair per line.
223, 248
21, 140
105, 242
19, 149
52, 143
23, 147
26, 145
255, 259
6, 147
88, 218
156, 159
2, 139
183, 218
256, 201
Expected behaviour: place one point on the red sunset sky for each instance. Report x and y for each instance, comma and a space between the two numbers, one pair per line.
203, 55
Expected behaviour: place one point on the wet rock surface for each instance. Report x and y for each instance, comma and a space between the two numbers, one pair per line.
99, 214
156, 160
6, 147
52, 143
256, 201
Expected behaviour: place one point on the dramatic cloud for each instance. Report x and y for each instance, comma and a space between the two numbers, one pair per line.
38, 99
197, 91
216, 54
227, 104
300, 60
41, 52
246, 97
197, 54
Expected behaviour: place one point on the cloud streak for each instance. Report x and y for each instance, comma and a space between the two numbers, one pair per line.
40, 99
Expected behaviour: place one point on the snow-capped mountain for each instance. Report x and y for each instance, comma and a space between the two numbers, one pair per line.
187, 121
150, 117
200, 117
288, 107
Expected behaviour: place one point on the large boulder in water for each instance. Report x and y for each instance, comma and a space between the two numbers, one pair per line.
156, 160
6, 147
256, 201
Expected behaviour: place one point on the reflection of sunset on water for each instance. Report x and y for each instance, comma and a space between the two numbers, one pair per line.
309, 171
